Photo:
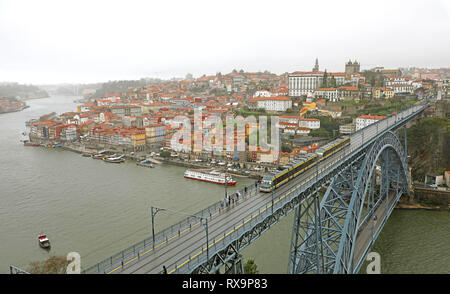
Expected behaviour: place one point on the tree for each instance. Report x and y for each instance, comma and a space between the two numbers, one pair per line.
250, 267
286, 148
325, 80
332, 82
320, 133
165, 154
53, 265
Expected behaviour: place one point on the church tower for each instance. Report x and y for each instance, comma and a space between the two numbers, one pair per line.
316, 67
351, 68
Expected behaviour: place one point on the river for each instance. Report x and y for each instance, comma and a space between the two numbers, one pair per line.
97, 209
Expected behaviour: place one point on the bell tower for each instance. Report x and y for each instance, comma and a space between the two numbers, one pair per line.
316, 66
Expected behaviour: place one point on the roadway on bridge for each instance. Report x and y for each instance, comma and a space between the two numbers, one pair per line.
367, 231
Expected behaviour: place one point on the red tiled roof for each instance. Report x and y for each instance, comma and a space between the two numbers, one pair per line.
307, 72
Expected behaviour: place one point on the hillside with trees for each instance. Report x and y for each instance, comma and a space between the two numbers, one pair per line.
428, 147
23, 91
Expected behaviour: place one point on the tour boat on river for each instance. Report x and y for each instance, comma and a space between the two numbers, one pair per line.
211, 176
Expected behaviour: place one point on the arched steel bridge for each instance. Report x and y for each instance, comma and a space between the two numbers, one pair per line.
341, 205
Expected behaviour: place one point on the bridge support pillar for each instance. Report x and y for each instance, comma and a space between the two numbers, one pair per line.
305, 218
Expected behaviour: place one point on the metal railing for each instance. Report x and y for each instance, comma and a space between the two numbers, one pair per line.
146, 245
15, 270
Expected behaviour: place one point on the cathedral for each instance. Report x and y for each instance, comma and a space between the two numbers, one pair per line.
351, 68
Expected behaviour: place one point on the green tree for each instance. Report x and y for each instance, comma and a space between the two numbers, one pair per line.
325, 80
320, 133
165, 154
286, 148
332, 82
250, 267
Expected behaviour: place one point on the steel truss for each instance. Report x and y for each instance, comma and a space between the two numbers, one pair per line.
16, 270
334, 234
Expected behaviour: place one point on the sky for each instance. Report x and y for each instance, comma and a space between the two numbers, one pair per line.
47, 42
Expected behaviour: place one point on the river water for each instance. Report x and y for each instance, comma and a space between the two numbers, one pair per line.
97, 209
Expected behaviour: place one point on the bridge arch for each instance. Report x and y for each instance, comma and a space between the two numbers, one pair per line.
331, 243
389, 149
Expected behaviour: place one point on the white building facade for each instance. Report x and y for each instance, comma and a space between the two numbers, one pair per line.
302, 83
278, 103
363, 121
310, 123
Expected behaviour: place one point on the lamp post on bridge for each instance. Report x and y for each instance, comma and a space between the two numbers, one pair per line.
272, 199
226, 185
155, 210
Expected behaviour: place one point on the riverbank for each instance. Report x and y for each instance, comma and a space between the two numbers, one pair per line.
15, 110
425, 200
418, 206
141, 155
80, 149
34, 98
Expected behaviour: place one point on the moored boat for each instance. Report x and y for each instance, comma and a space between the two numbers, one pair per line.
99, 155
118, 159
211, 177
44, 242
145, 163
28, 143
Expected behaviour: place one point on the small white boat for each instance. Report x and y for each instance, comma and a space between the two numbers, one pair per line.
44, 242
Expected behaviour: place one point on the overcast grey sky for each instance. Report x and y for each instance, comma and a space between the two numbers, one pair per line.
94, 41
